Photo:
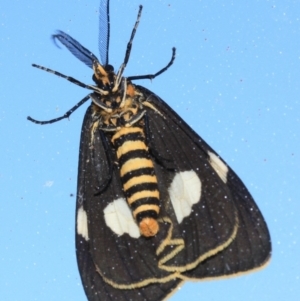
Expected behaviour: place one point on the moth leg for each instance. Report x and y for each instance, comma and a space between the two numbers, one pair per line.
165, 162
108, 153
152, 76
66, 115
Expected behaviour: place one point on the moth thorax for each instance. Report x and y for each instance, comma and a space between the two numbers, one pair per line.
149, 227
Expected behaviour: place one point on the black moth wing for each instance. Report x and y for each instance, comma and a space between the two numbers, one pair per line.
121, 259
251, 247
222, 233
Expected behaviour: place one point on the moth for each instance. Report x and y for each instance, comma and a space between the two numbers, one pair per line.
156, 205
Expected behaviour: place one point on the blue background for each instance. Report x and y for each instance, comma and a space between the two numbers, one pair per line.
235, 81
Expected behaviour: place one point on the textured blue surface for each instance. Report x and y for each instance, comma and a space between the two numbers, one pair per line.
235, 81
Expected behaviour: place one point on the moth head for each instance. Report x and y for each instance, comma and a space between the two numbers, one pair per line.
104, 76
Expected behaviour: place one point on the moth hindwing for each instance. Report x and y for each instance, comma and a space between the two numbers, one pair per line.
155, 204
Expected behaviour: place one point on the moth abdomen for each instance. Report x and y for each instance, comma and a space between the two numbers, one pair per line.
138, 177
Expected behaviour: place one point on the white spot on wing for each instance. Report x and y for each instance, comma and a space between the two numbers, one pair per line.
119, 219
219, 166
82, 224
185, 190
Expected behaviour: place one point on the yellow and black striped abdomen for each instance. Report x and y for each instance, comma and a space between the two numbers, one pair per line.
138, 177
